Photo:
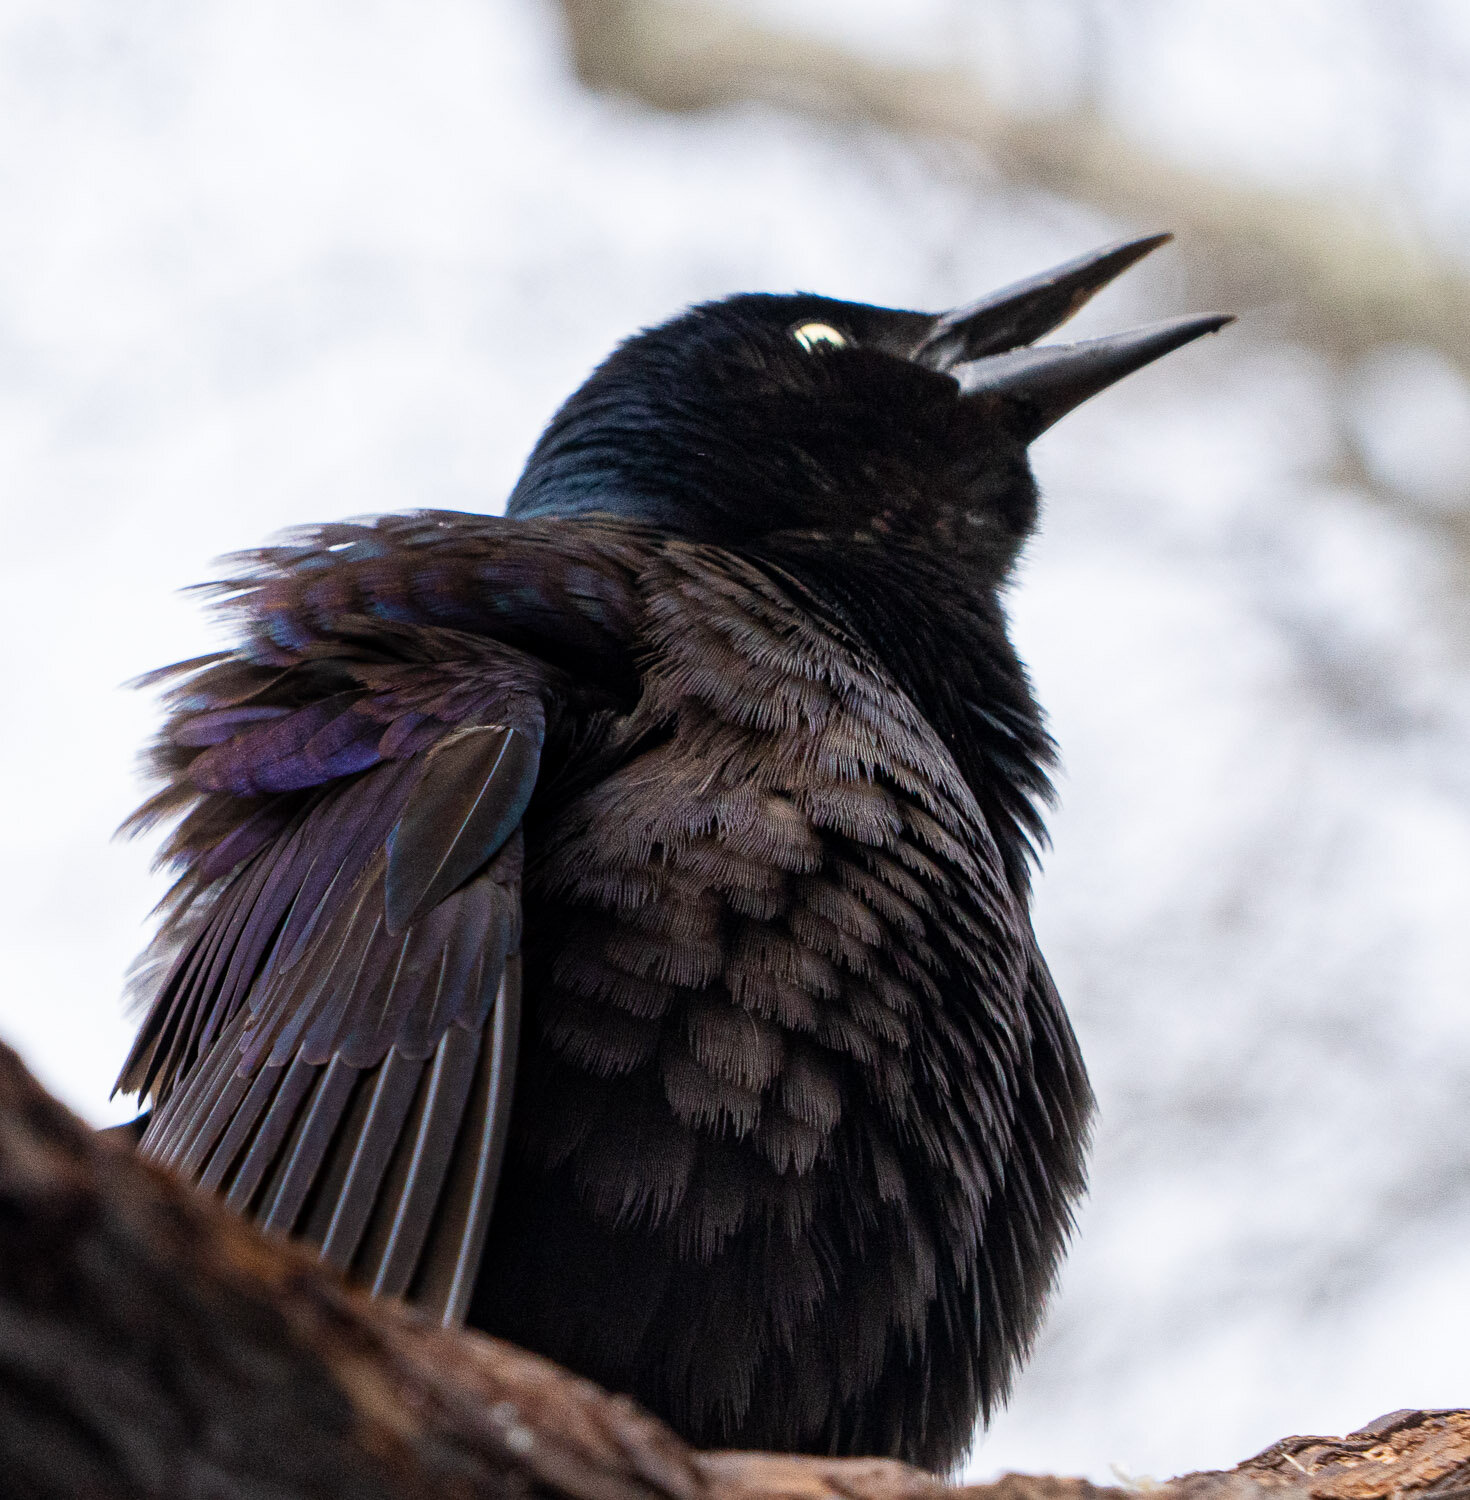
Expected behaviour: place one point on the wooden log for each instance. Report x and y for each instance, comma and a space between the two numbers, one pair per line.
154, 1345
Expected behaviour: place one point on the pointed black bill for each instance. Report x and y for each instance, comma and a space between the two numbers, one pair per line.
1022, 313
1045, 384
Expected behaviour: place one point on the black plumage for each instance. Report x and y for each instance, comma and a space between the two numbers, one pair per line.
690, 806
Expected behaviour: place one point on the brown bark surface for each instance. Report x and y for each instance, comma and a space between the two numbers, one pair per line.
151, 1344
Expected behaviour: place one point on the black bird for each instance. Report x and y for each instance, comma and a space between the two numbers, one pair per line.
691, 806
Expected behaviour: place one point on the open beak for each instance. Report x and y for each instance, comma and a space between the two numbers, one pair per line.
981, 344
1045, 384
1022, 313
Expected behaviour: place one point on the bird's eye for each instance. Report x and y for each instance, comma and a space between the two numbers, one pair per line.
818, 336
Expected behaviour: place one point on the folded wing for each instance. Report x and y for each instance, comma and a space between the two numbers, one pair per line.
332, 1036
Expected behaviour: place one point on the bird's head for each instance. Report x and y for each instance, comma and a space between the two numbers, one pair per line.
762, 414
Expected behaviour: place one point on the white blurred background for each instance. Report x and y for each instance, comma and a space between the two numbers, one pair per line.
278, 263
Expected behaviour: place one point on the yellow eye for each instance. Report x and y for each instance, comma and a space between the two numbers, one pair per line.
817, 335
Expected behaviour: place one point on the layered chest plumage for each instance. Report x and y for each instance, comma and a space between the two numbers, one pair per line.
782, 1011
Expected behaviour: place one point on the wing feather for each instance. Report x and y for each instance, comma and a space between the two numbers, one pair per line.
309, 1144
481, 780
284, 1100
332, 1046
169, 1136
452, 1257
392, 1254
342, 1216
226, 1147
226, 1100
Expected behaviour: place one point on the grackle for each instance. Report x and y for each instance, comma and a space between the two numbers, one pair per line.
608, 924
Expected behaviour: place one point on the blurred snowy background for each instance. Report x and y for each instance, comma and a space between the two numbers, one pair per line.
277, 263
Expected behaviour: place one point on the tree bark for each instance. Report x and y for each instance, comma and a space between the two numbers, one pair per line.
153, 1344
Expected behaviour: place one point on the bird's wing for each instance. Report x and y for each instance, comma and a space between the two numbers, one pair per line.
333, 1040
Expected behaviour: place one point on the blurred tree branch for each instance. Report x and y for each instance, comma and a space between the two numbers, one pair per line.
152, 1344
1345, 281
